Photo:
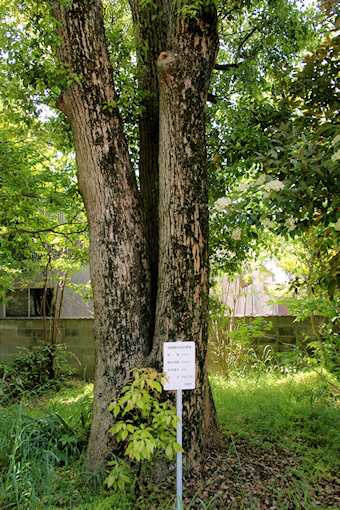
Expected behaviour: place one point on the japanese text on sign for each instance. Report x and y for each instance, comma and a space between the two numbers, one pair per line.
179, 365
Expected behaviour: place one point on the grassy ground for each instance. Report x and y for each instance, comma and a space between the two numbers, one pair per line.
295, 411
42, 438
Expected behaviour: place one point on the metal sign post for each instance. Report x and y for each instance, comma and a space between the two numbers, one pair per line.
179, 366
179, 458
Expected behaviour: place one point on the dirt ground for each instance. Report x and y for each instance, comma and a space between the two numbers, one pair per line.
244, 475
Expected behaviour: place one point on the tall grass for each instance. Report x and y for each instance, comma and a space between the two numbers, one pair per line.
296, 411
39, 437
31, 451
42, 439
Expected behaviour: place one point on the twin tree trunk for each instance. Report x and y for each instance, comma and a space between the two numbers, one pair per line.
148, 247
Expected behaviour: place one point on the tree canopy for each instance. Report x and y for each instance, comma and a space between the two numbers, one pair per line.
42, 218
286, 175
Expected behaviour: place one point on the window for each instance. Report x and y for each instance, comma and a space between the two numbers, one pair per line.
30, 303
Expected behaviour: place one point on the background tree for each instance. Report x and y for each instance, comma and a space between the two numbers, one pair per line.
42, 219
293, 182
257, 42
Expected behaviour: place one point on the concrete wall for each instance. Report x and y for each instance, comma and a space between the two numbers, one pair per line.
76, 334
284, 334
282, 338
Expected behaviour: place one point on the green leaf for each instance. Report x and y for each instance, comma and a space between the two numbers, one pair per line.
169, 451
124, 434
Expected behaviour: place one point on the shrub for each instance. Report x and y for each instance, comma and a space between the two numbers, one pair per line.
33, 369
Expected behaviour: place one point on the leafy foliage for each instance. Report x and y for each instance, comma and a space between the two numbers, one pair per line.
303, 153
146, 425
33, 450
32, 370
280, 144
42, 217
324, 347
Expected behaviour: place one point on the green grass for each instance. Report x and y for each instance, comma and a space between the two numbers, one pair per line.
295, 411
41, 447
43, 439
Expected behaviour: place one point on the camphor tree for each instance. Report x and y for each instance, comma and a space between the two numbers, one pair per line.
131, 322
148, 236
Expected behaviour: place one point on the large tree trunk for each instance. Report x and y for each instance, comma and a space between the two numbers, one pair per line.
122, 249
151, 31
183, 284
118, 262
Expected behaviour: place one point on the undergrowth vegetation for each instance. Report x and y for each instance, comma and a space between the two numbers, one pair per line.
41, 439
34, 370
44, 433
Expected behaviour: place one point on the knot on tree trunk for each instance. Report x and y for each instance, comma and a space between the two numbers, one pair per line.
168, 63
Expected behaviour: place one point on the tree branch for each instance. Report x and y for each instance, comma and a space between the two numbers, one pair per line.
245, 39
224, 16
211, 98
225, 67
51, 229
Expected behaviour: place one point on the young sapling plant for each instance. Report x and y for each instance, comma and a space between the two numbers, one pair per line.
144, 423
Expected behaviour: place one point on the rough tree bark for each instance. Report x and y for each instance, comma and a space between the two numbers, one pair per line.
118, 261
151, 39
148, 254
184, 73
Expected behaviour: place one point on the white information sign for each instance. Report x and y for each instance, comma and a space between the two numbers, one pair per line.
179, 365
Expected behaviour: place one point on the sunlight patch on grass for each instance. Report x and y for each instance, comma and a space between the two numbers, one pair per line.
297, 411
72, 394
